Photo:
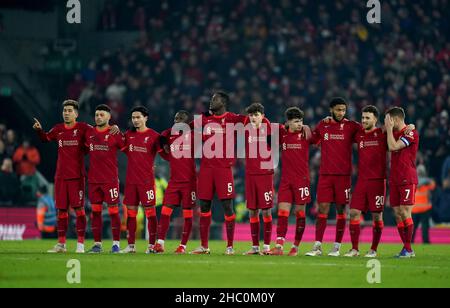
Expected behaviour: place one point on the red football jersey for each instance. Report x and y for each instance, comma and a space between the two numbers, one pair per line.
403, 162
181, 157
336, 141
71, 149
218, 145
294, 155
102, 146
258, 155
372, 154
141, 149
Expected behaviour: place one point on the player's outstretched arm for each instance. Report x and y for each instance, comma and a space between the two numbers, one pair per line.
37, 126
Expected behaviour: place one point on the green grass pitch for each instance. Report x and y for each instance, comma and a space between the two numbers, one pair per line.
24, 264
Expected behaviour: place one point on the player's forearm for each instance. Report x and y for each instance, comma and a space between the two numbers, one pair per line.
392, 144
43, 136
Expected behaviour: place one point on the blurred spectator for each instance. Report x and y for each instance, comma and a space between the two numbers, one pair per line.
441, 210
10, 142
26, 158
108, 17
445, 174
2, 150
2, 131
422, 209
115, 91
287, 52
9, 183
46, 214
76, 87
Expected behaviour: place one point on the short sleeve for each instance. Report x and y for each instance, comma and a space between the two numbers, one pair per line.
239, 118
409, 139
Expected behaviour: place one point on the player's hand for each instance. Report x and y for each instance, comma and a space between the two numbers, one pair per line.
166, 148
410, 128
389, 122
327, 120
114, 130
37, 125
307, 132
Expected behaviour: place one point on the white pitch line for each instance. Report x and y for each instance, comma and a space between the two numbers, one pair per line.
153, 261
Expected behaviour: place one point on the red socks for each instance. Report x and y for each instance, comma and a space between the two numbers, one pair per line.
131, 226
187, 214
150, 213
377, 231
282, 227
340, 227
115, 222
401, 231
254, 228
205, 224
97, 222
321, 225
164, 222
355, 231
230, 223
299, 227
62, 226
409, 230
267, 230
81, 225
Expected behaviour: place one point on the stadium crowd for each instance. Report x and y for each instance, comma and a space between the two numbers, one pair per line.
283, 53
18, 159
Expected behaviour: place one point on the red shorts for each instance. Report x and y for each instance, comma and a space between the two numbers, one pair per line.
144, 194
334, 189
184, 194
218, 180
294, 192
403, 195
369, 195
259, 191
108, 193
69, 193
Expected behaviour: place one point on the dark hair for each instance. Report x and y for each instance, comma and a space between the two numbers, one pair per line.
103, 107
294, 113
372, 109
397, 112
185, 113
337, 101
224, 96
254, 108
140, 109
71, 102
